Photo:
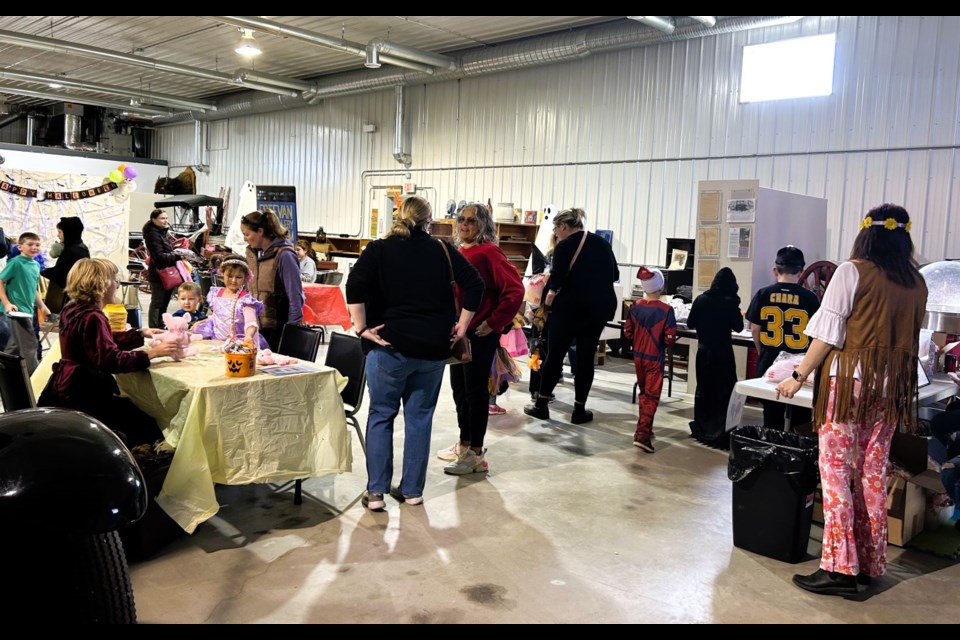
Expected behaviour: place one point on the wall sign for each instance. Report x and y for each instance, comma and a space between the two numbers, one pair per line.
282, 201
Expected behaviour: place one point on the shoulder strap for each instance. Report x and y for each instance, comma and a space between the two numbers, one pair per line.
453, 281
577, 253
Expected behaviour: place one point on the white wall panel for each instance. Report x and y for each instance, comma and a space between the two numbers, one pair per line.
628, 134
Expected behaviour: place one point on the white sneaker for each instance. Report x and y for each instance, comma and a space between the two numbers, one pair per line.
450, 454
468, 462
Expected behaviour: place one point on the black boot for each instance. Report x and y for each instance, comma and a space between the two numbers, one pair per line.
538, 409
580, 413
828, 583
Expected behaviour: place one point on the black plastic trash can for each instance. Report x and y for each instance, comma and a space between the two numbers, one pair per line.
774, 476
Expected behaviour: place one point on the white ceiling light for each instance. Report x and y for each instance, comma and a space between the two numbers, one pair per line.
247, 46
55, 85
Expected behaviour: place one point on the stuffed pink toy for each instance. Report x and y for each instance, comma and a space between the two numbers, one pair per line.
177, 333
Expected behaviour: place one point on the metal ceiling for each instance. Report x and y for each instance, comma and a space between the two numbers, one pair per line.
206, 43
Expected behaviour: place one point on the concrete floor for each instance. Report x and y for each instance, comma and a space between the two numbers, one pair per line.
572, 525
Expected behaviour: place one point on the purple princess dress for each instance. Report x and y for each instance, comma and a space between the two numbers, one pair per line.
230, 316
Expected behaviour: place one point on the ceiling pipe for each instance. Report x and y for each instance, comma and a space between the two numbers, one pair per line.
662, 23
707, 20
64, 47
152, 97
522, 54
31, 127
242, 76
416, 55
337, 44
61, 97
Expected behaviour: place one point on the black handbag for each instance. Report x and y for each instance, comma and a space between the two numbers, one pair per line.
461, 351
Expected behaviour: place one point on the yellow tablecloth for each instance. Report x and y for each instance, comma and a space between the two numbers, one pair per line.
239, 430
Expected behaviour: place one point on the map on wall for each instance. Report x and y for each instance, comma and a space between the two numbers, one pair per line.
105, 214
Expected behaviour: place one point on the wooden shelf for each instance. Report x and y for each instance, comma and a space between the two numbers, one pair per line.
444, 229
516, 241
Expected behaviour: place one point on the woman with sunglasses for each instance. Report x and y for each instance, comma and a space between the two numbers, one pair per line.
581, 300
502, 297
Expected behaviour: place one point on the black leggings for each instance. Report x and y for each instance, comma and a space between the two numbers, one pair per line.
120, 414
561, 334
470, 390
159, 301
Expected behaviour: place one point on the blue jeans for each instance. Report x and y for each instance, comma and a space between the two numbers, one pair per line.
392, 378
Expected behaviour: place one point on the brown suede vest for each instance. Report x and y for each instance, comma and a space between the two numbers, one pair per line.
882, 336
267, 287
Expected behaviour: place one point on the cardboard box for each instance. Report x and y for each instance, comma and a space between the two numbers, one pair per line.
906, 504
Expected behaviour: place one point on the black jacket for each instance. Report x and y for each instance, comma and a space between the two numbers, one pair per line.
73, 250
404, 284
585, 291
716, 312
160, 247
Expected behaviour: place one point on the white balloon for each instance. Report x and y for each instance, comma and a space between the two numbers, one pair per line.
132, 185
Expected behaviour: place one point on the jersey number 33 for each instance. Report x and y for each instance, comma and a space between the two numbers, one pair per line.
784, 327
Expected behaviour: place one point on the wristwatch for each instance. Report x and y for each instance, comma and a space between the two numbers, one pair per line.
796, 376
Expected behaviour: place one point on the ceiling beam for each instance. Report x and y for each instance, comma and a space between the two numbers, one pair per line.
62, 97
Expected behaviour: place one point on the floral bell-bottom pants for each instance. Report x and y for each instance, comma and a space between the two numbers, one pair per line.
853, 475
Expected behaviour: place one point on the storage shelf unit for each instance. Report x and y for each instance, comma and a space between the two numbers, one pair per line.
676, 278
443, 229
516, 241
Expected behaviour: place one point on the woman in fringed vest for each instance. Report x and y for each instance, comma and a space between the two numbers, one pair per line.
866, 337
276, 273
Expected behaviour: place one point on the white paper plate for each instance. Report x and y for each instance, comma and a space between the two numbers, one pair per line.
19, 314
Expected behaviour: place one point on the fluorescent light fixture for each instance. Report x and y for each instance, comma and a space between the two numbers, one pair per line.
247, 46
795, 68
55, 85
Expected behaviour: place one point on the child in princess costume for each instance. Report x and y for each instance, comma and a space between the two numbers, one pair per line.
233, 311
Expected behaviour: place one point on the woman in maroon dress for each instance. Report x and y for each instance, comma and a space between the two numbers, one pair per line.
91, 354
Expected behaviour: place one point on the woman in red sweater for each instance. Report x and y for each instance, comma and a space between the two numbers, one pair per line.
502, 296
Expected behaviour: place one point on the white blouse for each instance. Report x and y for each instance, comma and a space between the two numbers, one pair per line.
829, 323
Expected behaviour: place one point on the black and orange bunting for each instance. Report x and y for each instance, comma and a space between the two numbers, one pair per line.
92, 192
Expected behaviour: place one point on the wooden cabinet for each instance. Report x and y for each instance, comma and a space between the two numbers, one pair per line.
443, 229
343, 247
516, 241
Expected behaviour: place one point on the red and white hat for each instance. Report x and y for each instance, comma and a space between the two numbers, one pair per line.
651, 279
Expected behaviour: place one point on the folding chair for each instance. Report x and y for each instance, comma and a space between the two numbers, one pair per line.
300, 341
15, 390
345, 354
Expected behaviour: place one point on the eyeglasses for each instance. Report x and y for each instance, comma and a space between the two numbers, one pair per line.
465, 220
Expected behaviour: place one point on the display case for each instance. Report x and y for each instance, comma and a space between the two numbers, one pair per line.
516, 241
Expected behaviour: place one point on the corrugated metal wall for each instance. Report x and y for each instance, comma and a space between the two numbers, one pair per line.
628, 135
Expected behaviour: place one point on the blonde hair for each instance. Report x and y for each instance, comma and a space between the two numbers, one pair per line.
570, 217
190, 287
90, 278
415, 213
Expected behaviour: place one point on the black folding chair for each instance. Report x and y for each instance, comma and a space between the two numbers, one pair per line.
300, 341
345, 354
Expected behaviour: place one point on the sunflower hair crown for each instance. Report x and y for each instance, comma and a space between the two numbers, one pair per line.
890, 224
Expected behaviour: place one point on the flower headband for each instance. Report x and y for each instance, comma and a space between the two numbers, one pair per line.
236, 262
890, 224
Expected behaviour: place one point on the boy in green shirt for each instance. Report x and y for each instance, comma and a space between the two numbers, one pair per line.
20, 295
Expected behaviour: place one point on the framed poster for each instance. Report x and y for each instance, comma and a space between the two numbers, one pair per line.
282, 201
706, 270
708, 242
709, 209
740, 242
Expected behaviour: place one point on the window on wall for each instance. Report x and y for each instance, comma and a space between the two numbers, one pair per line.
796, 68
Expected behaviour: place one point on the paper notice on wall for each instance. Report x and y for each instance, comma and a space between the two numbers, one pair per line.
739, 242
742, 210
678, 260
